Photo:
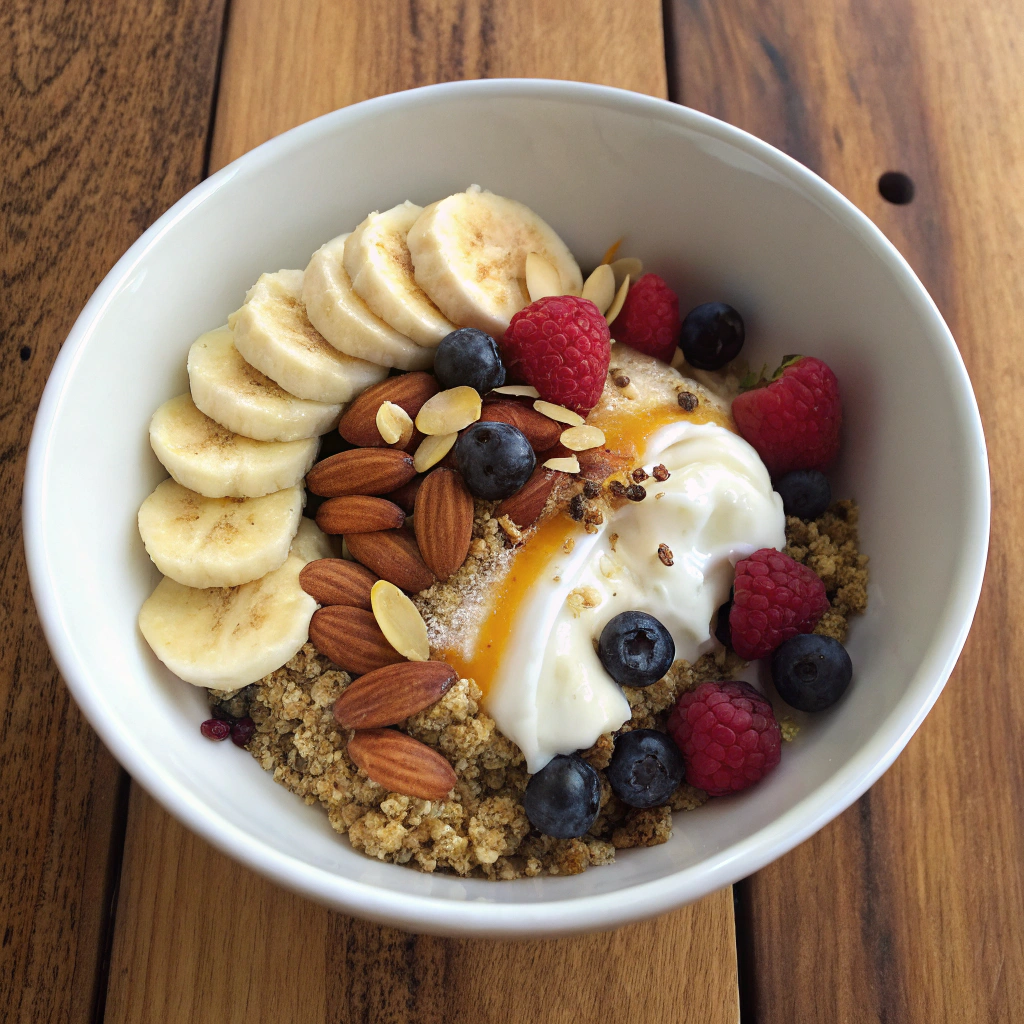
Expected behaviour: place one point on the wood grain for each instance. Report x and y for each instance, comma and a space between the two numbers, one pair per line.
197, 937
103, 118
908, 907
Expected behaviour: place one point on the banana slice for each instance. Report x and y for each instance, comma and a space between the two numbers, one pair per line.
218, 542
347, 322
469, 252
227, 389
378, 264
203, 456
274, 334
229, 637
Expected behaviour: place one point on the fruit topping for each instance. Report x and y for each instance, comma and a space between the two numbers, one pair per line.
805, 493
774, 598
649, 318
560, 345
495, 460
646, 768
242, 731
636, 649
811, 672
793, 420
215, 729
712, 335
728, 736
563, 799
468, 356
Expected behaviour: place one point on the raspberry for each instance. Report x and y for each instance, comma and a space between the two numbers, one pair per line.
728, 736
560, 345
774, 598
793, 422
649, 318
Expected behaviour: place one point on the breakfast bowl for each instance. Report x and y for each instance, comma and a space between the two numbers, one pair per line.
720, 215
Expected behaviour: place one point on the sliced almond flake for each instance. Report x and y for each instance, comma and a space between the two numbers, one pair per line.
432, 449
600, 287
394, 423
542, 279
628, 266
400, 621
581, 439
620, 298
609, 568
518, 390
449, 411
568, 465
558, 413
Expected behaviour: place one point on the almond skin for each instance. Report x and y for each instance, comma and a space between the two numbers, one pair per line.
444, 521
402, 764
525, 506
599, 463
389, 695
360, 471
409, 390
357, 513
351, 638
393, 556
540, 431
405, 496
337, 581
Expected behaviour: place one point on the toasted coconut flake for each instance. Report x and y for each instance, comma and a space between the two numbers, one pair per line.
559, 413
566, 465
600, 287
518, 391
542, 278
580, 439
400, 621
449, 411
394, 423
620, 298
432, 449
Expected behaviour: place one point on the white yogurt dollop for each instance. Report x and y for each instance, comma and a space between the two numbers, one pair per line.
717, 506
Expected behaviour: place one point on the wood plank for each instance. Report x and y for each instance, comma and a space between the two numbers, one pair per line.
909, 906
103, 117
199, 938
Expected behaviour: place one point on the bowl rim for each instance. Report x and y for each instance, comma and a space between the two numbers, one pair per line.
583, 913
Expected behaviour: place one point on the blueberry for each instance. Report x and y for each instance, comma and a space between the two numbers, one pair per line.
805, 493
712, 335
495, 460
722, 628
811, 672
636, 649
468, 356
646, 768
563, 799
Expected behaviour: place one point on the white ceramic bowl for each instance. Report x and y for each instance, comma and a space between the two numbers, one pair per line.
717, 212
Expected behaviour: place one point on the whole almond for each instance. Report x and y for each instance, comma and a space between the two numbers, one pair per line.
444, 521
408, 390
393, 556
360, 471
357, 513
351, 638
391, 694
525, 506
405, 496
402, 764
337, 581
540, 431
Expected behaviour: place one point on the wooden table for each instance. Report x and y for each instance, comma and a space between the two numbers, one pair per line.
909, 907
